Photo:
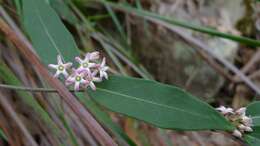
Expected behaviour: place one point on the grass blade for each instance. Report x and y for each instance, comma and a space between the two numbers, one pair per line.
147, 15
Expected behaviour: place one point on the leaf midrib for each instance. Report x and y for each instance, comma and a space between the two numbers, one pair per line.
46, 30
154, 103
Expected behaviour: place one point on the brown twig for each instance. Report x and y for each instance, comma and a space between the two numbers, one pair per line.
246, 68
26, 50
8, 108
255, 74
201, 46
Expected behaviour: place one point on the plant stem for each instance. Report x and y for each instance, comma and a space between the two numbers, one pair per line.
30, 89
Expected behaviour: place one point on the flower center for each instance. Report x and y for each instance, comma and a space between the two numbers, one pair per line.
85, 64
78, 78
60, 67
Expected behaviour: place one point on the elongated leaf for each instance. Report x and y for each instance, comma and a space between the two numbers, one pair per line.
253, 110
151, 15
47, 32
48, 38
159, 104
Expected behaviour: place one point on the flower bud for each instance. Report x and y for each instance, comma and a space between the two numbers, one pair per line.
248, 129
242, 127
241, 111
247, 121
237, 133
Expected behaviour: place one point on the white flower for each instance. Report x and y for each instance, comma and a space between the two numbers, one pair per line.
102, 68
61, 68
237, 133
241, 111
239, 119
91, 78
225, 110
77, 78
85, 63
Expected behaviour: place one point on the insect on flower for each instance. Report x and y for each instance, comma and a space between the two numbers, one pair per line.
61, 68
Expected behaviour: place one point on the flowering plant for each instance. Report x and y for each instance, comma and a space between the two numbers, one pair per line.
90, 70
161, 105
239, 119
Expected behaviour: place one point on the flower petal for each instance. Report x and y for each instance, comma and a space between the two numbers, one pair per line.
92, 85
56, 74
77, 86
92, 65
54, 66
103, 63
95, 79
94, 55
67, 65
78, 59
59, 60
65, 73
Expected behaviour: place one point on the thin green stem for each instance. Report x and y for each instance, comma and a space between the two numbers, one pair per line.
30, 89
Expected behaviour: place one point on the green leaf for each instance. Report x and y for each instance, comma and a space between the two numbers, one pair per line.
49, 38
158, 104
253, 110
150, 15
48, 34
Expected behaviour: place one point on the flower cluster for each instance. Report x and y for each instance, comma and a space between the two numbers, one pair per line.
238, 118
90, 70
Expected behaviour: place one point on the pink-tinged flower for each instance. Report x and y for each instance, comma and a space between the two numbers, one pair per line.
61, 68
91, 78
237, 133
85, 63
102, 68
77, 78
225, 110
92, 56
